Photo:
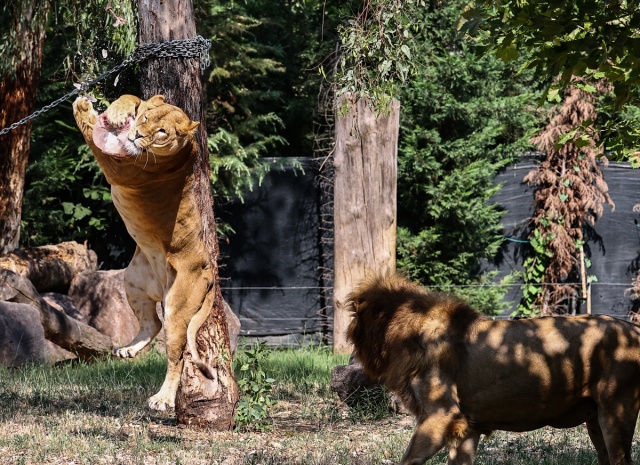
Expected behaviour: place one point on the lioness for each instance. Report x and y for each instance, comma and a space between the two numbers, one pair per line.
463, 375
146, 150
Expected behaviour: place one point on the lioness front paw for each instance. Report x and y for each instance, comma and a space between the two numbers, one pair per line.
82, 104
83, 111
161, 402
125, 352
121, 110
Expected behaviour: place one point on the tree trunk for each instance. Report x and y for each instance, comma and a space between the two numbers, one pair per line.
18, 87
200, 401
365, 161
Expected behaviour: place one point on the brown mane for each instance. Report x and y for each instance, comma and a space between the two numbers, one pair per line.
385, 310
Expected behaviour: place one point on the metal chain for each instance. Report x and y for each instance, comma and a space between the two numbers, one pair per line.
196, 47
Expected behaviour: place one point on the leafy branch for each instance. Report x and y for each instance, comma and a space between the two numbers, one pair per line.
376, 50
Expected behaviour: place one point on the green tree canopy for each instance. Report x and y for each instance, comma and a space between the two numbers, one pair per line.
590, 39
464, 117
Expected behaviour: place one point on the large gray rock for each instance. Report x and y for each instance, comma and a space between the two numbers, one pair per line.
22, 337
101, 302
62, 302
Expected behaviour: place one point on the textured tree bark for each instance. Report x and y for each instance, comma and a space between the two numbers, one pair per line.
200, 401
18, 96
365, 162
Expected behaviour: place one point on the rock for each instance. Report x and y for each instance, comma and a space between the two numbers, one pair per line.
101, 302
59, 328
348, 380
356, 389
22, 337
62, 302
51, 267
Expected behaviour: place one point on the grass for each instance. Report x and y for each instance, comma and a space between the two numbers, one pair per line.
96, 414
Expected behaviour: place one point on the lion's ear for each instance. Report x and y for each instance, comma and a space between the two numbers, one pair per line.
353, 304
155, 101
192, 125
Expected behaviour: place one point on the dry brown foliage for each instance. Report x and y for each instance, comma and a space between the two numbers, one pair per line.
570, 190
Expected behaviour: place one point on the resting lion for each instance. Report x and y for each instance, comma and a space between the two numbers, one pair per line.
463, 375
146, 150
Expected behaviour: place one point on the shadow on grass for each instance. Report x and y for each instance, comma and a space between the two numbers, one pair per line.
105, 387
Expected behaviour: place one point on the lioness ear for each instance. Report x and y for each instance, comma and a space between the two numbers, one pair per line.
156, 101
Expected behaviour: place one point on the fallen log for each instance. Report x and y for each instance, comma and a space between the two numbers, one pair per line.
51, 267
59, 328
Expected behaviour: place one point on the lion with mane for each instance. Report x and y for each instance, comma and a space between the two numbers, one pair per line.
463, 375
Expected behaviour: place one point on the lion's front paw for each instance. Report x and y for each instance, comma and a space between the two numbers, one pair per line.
83, 112
161, 402
125, 352
120, 111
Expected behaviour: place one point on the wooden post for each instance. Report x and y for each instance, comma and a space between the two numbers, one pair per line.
200, 400
365, 162
586, 285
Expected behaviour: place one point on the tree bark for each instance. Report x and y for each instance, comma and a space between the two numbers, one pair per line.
200, 400
59, 328
18, 96
365, 162
51, 268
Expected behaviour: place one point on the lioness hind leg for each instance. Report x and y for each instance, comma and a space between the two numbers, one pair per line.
142, 293
184, 300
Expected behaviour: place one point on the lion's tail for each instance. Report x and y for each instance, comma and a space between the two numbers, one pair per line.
192, 331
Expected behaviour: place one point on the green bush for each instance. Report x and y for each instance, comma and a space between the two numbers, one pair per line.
465, 116
255, 388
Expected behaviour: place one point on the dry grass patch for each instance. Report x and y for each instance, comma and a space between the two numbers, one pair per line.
95, 414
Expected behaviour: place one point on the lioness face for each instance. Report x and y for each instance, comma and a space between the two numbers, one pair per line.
163, 130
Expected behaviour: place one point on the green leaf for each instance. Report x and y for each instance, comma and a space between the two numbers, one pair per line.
553, 95
508, 53
68, 207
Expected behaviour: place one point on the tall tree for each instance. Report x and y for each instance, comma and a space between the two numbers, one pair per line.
21, 44
200, 400
465, 116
